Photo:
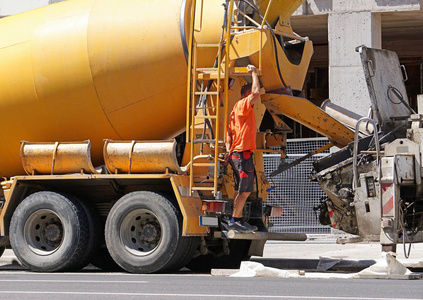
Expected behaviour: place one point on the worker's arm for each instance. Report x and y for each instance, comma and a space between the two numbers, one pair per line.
228, 143
255, 87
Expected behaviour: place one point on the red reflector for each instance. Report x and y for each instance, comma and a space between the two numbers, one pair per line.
213, 206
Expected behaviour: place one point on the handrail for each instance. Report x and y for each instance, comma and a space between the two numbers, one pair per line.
217, 134
201, 18
266, 13
226, 81
355, 153
189, 77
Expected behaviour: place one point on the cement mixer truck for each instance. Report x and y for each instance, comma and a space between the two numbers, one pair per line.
113, 116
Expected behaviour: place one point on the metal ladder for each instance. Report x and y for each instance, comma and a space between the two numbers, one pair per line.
204, 105
199, 95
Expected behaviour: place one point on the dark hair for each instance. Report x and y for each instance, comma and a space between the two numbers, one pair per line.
246, 88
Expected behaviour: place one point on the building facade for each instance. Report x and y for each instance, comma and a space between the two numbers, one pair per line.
337, 27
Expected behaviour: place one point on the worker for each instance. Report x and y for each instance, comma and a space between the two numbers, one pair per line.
240, 146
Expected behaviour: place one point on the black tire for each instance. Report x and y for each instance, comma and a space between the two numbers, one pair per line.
101, 257
95, 238
104, 261
238, 253
49, 232
143, 233
187, 248
2, 249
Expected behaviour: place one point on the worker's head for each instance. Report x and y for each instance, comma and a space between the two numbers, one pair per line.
245, 90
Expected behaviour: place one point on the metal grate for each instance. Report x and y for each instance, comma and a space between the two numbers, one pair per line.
294, 192
304, 146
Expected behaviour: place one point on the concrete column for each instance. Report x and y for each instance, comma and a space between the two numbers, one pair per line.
347, 30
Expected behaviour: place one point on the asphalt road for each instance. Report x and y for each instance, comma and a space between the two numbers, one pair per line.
96, 285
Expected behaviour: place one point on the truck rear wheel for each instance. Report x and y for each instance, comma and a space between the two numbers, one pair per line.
96, 233
143, 233
104, 261
101, 257
49, 232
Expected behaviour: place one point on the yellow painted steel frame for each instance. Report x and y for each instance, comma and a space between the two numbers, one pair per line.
308, 114
189, 206
9, 206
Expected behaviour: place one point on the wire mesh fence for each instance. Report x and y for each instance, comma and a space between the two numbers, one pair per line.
294, 192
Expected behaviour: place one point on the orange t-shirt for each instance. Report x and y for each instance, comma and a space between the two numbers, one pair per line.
243, 126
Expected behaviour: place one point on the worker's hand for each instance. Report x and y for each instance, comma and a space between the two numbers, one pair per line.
226, 159
251, 69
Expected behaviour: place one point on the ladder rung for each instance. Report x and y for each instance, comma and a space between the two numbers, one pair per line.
205, 117
205, 107
208, 45
206, 93
208, 76
203, 164
198, 141
202, 188
207, 69
204, 141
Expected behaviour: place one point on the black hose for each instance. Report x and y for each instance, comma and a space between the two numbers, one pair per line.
398, 94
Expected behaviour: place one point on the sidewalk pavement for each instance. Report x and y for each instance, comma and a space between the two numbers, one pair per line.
8, 261
324, 254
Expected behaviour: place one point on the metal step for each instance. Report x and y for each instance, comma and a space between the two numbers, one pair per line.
260, 235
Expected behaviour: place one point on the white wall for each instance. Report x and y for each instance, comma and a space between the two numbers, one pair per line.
12, 7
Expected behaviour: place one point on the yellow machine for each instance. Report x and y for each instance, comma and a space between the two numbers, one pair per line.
148, 86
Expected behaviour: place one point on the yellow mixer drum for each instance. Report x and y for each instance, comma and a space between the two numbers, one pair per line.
87, 69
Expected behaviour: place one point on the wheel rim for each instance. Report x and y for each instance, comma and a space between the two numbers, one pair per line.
43, 232
140, 232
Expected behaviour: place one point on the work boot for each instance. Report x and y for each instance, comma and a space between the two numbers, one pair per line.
241, 226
